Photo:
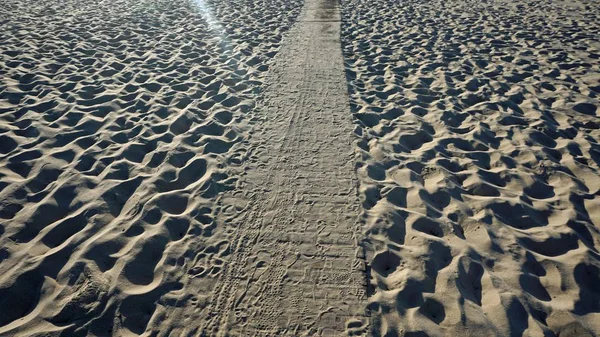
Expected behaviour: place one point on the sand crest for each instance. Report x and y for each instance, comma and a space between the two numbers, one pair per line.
120, 124
299, 168
478, 129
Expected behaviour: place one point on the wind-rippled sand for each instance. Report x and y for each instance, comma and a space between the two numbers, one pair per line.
163, 173
478, 139
119, 124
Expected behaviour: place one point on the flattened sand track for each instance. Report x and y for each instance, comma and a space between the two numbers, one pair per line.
296, 268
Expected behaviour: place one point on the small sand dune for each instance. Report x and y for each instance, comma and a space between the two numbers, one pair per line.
120, 123
478, 126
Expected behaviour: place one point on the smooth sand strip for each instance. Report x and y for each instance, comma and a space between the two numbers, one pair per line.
296, 268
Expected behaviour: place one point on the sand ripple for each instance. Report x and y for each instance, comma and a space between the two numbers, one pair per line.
120, 122
478, 130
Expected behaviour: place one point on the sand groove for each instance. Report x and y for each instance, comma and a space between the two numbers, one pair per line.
295, 268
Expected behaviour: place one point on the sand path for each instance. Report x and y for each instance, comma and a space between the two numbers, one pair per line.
295, 267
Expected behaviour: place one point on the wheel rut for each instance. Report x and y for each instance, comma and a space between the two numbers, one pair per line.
295, 266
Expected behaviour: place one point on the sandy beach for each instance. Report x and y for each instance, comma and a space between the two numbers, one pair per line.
477, 126
299, 168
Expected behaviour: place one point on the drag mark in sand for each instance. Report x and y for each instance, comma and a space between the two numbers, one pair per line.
295, 267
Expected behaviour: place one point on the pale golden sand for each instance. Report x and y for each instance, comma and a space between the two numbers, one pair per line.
119, 122
299, 168
478, 129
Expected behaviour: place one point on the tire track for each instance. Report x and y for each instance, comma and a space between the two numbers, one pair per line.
296, 268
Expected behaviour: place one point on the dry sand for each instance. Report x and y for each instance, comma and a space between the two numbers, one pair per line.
118, 121
299, 168
478, 136
289, 231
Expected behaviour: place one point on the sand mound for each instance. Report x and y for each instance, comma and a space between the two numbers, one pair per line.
477, 126
120, 122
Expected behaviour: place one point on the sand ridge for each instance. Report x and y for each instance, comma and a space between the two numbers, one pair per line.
477, 127
119, 126
196, 168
